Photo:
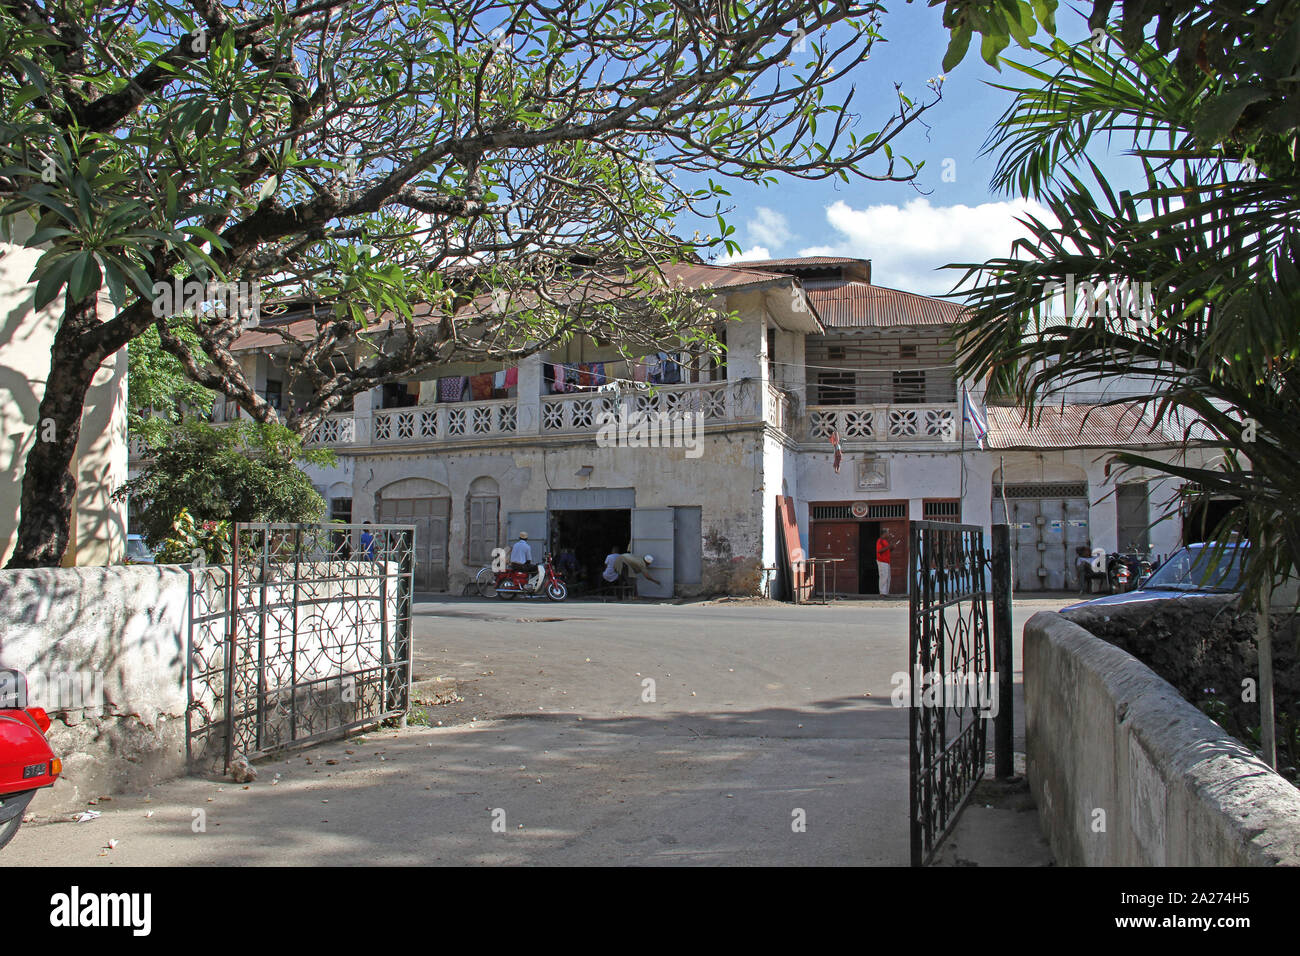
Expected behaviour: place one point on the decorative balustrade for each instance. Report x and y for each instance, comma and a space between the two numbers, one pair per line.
137, 449
884, 423
778, 409
445, 422
587, 411
340, 429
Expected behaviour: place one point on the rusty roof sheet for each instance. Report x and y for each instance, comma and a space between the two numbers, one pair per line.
802, 262
850, 304
685, 275
1073, 426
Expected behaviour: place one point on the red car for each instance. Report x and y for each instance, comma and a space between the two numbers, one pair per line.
26, 761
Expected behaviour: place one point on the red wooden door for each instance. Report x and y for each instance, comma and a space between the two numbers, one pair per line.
837, 539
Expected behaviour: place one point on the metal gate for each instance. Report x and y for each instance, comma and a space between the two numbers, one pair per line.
305, 636
950, 676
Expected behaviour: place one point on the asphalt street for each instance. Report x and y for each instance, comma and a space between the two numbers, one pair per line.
586, 733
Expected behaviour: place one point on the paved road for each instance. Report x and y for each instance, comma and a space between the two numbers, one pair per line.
761, 714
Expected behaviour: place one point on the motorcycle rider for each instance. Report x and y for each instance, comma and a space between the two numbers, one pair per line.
521, 555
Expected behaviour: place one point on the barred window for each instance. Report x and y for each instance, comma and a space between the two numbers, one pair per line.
941, 510
836, 388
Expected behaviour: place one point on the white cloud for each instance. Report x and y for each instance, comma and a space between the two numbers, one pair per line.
768, 228
908, 244
749, 255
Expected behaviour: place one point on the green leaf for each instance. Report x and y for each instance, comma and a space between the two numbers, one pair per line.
1219, 114
86, 276
957, 47
991, 46
52, 281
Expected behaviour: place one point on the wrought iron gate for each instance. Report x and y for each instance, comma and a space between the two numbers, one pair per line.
306, 635
951, 675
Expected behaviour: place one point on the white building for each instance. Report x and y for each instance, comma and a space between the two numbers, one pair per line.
817, 349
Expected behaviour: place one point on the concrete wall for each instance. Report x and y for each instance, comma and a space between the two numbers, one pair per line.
725, 480
125, 625
120, 638
26, 338
1126, 772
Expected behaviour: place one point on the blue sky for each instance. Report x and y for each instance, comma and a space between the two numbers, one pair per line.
908, 232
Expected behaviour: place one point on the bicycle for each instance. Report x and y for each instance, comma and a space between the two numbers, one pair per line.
485, 582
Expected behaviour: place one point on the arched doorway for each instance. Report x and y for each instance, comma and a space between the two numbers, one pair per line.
425, 504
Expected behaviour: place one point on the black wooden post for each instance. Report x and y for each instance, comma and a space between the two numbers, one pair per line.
1003, 665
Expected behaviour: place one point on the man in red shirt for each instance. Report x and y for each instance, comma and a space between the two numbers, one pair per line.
884, 551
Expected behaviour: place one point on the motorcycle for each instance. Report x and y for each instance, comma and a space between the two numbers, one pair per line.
547, 580
27, 763
1127, 570
1139, 567
1118, 574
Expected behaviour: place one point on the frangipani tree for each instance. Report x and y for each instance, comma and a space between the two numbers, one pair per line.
476, 163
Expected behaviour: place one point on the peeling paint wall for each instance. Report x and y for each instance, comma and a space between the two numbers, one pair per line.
725, 481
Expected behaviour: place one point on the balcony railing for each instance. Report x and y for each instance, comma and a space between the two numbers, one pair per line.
338, 429
446, 422
884, 423
136, 449
779, 412
714, 401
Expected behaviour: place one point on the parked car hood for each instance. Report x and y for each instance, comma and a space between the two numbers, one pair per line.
1141, 595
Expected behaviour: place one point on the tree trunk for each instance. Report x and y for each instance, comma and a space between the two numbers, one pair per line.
49, 484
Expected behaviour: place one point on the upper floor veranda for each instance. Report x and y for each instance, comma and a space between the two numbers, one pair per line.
814, 349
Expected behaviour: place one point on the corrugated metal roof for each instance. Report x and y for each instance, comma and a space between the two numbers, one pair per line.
846, 304
802, 262
1072, 426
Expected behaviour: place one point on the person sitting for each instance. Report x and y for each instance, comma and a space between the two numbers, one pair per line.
1083, 569
521, 554
568, 564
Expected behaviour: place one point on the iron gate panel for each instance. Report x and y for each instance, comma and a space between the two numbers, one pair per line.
306, 636
950, 672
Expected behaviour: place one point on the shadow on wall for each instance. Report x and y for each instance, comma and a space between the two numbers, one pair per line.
26, 339
104, 650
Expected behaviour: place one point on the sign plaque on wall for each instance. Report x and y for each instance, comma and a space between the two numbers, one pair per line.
873, 474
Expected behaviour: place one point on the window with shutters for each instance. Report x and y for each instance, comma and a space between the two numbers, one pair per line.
483, 512
836, 388
909, 387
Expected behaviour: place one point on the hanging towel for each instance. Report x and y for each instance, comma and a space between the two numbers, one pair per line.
559, 384
584, 375
499, 379
481, 386
598, 374
512, 376
638, 371
571, 378
451, 388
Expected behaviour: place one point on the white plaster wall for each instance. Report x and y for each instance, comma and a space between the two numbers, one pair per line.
725, 481
912, 475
